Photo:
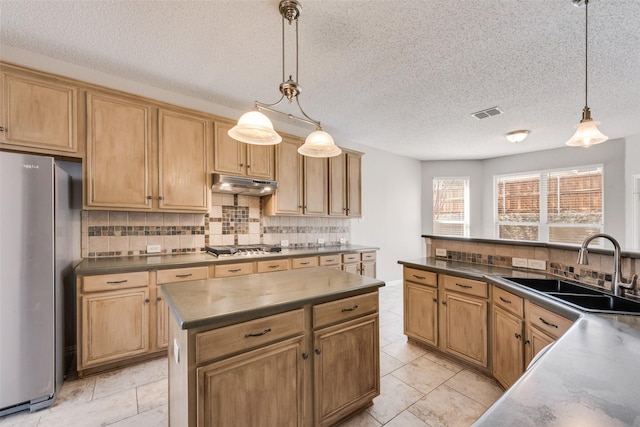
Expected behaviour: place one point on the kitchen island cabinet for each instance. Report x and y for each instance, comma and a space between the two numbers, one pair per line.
304, 329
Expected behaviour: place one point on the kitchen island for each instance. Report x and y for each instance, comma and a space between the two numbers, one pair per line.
290, 348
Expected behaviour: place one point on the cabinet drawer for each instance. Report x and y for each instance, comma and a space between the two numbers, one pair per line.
510, 302
311, 261
551, 323
229, 270
107, 282
368, 256
182, 274
419, 276
466, 286
350, 258
344, 309
243, 336
329, 260
277, 265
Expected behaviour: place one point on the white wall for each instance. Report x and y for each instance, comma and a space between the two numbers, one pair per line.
391, 184
631, 168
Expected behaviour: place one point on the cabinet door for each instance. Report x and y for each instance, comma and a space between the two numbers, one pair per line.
354, 185
260, 162
162, 321
337, 185
115, 325
288, 197
421, 312
351, 268
183, 177
316, 186
346, 368
463, 323
263, 387
118, 153
506, 348
39, 114
368, 269
228, 156
535, 341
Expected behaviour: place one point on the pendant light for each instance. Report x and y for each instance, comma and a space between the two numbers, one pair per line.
587, 133
255, 127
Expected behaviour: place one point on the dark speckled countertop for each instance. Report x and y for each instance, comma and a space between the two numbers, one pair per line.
224, 301
91, 266
587, 378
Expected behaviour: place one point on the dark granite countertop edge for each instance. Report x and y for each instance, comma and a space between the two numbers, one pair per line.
230, 318
93, 266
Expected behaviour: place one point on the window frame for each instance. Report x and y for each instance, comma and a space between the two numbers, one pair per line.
543, 224
466, 222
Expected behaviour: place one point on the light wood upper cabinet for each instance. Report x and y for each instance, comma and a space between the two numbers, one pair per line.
345, 183
316, 186
288, 197
237, 158
118, 167
132, 165
38, 114
183, 150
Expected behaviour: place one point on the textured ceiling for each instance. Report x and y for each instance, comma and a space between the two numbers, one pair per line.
401, 76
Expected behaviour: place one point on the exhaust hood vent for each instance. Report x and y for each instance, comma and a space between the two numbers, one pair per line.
488, 112
241, 185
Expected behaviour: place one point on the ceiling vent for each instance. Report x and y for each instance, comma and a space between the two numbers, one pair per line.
488, 112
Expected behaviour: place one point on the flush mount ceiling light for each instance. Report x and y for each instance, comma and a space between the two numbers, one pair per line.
517, 135
587, 133
255, 128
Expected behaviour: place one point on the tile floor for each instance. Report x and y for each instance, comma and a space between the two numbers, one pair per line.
418, 389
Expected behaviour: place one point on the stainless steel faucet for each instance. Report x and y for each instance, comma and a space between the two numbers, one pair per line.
618, 285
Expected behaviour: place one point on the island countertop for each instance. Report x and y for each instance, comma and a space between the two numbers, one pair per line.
224, 301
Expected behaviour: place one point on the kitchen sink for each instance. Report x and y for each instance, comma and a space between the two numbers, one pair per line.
581, 297
554, 285
600, 303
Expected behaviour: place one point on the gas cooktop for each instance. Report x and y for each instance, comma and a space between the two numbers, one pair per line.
242, 250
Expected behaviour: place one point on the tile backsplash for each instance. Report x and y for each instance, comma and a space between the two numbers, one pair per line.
231, 220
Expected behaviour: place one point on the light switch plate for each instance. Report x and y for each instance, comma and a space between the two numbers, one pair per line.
441, 252
153, 249
284, 243
519, 262
537, 264
343, 240
321, 241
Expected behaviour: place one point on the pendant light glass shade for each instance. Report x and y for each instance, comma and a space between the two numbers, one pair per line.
255, 128
319, 144
587, 134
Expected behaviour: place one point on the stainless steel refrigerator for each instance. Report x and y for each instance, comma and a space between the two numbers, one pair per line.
35, 254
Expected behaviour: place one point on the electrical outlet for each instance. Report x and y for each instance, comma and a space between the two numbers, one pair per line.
441, 252
519, 262
320, 242
153, 249
343, 241
284, 243
537, 264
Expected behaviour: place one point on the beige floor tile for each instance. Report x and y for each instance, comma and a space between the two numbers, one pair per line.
22, 419
98, 412
157, 417
363, 419
478, 387
406, 419
395, 397
392, 334
445, 407
152, 395
130, 377
388, 364
404, 351
443, 361
423, 374
75, 392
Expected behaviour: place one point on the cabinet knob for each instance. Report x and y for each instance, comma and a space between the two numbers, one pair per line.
2, 128
444, 303
435, 300
318, 351
146, 301
160, 197
149, 197
241, 164
518, 336
158, 298
248, 166
527, 342
305, 356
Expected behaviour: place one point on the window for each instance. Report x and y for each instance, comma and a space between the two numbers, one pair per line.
451, 206
562, 206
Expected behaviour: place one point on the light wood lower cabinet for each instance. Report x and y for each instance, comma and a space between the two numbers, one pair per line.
541, 329
421, 311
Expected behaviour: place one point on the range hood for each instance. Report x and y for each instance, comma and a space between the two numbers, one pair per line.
241, 185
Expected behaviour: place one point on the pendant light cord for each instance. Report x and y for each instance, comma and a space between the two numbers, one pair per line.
586, 49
